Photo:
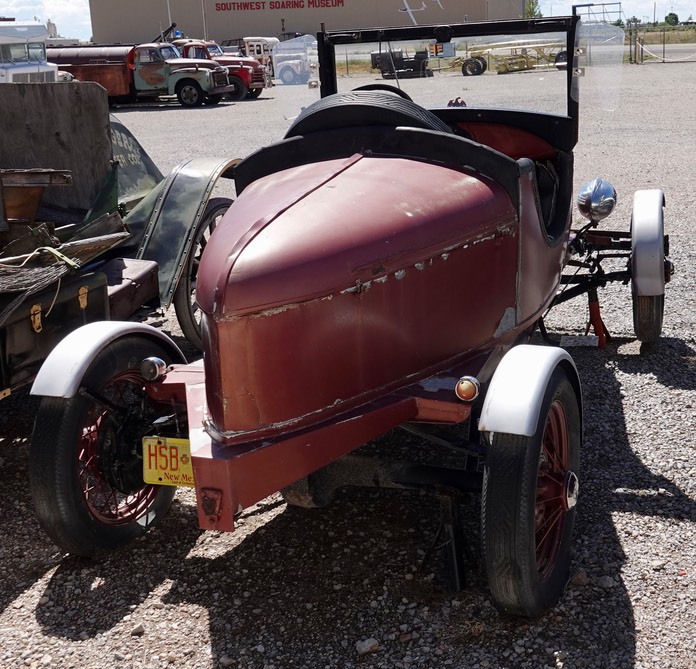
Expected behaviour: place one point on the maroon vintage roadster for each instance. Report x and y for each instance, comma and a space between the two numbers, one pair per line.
383, 266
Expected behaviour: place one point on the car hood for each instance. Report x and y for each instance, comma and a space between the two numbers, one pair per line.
199, 63
313, 230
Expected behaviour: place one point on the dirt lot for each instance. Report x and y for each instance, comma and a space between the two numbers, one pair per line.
297, 588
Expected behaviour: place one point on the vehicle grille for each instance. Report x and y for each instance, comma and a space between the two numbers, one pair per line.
34, 77
220, 78
257, 77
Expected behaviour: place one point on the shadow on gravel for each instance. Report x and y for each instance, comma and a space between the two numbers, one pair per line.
308, 585
25, 554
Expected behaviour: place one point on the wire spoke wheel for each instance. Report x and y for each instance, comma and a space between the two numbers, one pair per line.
106, 502
86, 461
185, 305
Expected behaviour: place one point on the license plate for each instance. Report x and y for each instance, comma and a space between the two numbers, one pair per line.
167, 461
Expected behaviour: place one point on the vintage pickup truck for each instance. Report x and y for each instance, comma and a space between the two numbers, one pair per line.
245, 73
145, 71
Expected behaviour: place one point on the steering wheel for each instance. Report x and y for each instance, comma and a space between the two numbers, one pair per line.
387, 88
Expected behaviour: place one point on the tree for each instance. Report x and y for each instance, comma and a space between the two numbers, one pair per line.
671, 19
531, 9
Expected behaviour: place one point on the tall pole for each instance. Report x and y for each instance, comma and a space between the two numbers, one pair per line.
169, 13
205, 23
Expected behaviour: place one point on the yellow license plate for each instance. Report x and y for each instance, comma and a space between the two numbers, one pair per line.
167, 461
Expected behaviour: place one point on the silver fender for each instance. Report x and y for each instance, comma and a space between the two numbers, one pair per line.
63, 370
647, 243
516, 392
172, 215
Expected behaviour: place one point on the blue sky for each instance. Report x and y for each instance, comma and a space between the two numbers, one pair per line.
73, 20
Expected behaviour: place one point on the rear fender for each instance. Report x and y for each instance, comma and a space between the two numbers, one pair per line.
62, 372
166, 221
516, 392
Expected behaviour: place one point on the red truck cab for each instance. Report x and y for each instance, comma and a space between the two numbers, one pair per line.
247, 73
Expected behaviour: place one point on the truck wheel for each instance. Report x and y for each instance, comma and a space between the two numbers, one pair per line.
472, 67
561, 60
356, 108
287, 75
185, 306
530, 488
254, 93
484, 63
240, 90
85, 455
213, 99
189, 93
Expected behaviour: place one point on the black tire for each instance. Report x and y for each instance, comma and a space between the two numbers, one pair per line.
287, 76
214, 99
187, 312
529, 487
254, 93
472, 67
240, 90
561, 60
648, 314
85, 467
387, 88
361, 108
189, 93
484, 63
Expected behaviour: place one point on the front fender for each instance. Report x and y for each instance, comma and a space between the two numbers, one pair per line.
166, 221
516, 392
62, 372
647, 242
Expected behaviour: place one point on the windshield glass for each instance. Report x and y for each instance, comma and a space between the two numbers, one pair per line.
599, 62
14, 53
532, 65
494, 71
168, 52
37, 52
215, 50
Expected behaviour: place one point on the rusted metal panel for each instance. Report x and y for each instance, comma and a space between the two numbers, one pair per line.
114, 77
350, 303
33, 138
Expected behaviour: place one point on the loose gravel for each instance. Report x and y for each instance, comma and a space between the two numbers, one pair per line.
349, 585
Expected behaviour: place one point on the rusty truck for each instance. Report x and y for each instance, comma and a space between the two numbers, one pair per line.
145, 71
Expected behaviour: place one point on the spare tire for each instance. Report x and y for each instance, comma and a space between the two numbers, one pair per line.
363, 108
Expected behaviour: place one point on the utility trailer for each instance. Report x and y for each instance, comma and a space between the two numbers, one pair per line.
89, 235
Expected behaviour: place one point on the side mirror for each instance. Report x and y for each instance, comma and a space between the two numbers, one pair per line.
596, 200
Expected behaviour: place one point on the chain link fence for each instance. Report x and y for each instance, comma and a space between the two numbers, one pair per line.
662, 44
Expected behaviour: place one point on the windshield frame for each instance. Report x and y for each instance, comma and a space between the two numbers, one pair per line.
327, 40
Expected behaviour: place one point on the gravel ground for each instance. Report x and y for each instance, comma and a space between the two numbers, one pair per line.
348, 586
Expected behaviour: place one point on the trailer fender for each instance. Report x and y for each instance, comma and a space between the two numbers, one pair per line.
166, 221
647, 242
63, 370
516, 392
